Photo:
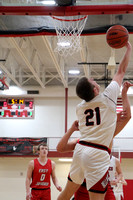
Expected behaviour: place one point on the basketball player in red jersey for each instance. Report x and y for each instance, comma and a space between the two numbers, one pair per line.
65, 146
38, 176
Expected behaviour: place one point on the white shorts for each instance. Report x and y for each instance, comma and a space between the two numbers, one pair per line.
88, 163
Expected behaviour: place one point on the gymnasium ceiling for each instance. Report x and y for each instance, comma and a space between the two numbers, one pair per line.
29, 60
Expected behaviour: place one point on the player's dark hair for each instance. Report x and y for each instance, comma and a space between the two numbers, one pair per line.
42, 144
84, 89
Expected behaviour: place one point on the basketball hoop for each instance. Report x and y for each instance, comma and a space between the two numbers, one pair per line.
68, 30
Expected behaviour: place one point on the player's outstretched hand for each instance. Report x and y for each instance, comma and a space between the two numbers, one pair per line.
126, 85
75, 125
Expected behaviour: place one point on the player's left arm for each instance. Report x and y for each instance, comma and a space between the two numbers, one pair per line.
124, 116
54, 178
65, 145
120, 177
118, 170
118, 77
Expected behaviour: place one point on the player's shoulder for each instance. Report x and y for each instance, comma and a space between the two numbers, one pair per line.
52, 162
117, 160
31, 163
113, 158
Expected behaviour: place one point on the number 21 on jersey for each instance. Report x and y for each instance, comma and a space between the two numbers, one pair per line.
90, 114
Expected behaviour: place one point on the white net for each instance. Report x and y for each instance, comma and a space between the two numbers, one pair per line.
68, 30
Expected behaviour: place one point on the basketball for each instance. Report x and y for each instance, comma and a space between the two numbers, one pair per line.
117, 36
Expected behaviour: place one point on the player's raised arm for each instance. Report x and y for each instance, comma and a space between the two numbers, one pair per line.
118, 77
124, 116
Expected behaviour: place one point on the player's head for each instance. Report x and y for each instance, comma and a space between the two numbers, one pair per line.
42, 144
42, 149
87, 89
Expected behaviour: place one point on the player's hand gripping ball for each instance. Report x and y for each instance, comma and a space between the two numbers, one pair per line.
117, 36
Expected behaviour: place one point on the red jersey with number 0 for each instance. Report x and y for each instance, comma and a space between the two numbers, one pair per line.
41, 175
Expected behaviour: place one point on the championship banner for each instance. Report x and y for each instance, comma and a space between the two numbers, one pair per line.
20, 146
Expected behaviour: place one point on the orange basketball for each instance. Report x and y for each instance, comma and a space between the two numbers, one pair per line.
117, 36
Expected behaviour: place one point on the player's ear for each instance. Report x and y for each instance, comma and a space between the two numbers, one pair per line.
38, 151
94, 90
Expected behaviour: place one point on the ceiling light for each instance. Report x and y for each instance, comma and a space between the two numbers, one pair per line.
63, 44
65, 159
74, 72
47, 2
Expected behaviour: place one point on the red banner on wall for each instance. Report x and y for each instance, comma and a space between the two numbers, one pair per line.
20, 146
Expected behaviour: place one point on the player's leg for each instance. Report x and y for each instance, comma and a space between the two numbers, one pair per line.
76, 174
68, 191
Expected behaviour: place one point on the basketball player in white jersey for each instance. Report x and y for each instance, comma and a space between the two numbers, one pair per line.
66, 145
97, 121
116, 178
123, 117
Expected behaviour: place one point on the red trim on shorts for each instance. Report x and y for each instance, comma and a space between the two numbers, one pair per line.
102, 185
94, 145
78, 141
69, 178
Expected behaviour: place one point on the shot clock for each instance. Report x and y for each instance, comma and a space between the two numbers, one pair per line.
16, 108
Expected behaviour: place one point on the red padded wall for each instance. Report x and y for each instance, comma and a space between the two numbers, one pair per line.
128, 190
